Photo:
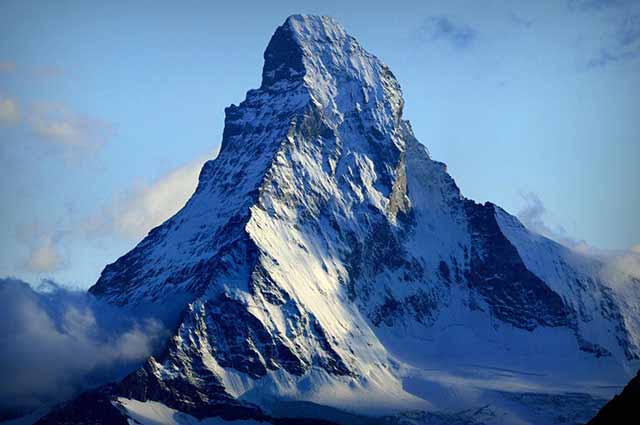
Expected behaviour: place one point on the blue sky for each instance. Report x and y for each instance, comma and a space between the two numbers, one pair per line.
108, 109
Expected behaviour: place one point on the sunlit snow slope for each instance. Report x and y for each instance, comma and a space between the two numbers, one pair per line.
325, 257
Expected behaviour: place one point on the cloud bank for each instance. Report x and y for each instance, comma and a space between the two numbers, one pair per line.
619, 267
58, 342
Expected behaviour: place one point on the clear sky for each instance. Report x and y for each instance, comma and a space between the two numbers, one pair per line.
108, 109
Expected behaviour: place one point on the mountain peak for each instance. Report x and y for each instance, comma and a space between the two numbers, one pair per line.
342, 77
325, 252
315, 24
299, 36
314, 29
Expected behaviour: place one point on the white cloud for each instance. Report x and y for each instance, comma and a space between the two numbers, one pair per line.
68, 132
150, 205
128, 216
9, 111
44, 247
534, 216
56, 123
629, 263
619, 267
132, 214
622, 268
45, 256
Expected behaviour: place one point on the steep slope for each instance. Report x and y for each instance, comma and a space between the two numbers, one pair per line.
622, 408
325, 257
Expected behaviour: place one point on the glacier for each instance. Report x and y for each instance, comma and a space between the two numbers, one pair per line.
328, 268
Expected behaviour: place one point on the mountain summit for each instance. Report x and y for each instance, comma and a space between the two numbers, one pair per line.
328, 268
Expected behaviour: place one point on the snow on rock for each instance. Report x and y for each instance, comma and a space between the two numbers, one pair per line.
326, 257
154, 413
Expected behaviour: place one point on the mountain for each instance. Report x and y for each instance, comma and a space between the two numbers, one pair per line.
327, 267
622, 408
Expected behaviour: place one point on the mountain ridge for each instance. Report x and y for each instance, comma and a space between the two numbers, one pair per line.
325, 257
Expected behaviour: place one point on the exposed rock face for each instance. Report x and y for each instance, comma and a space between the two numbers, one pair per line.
514, 294
322, 232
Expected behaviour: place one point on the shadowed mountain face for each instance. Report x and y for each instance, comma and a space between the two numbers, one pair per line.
623, 408
326, 258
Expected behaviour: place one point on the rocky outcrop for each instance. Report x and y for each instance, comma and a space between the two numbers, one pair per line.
322, 231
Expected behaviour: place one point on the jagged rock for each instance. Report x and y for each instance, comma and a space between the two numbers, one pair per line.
324, 233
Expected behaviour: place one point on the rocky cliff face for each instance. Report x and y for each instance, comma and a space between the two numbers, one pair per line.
326, 257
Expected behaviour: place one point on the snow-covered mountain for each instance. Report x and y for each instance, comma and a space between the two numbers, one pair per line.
326, 259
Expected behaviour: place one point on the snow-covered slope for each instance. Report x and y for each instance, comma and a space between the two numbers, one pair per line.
325, 257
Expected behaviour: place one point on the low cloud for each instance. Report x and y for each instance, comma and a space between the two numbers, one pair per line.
132, 214
534, 216
442, 28
619, 267
623, 266
57, 342
9, 111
